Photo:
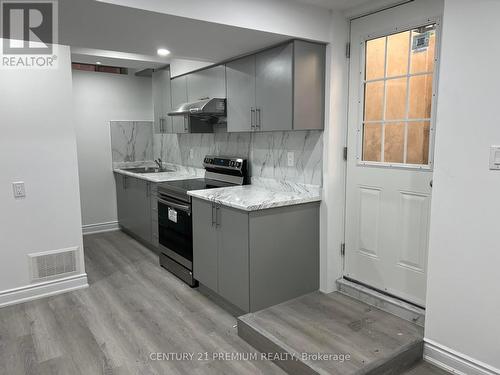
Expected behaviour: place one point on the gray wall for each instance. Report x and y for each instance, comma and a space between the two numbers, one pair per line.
267, 152
98, 99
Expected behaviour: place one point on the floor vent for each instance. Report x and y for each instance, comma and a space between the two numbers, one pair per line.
53, 264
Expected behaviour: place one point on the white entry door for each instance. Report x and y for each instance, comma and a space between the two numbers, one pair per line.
393, 82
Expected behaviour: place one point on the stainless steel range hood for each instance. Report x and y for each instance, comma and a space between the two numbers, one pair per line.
206, 107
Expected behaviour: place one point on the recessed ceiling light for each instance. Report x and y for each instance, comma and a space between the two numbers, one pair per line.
163, 52
98, 62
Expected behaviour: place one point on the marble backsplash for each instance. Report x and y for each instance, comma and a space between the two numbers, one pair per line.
266, 152
131, 141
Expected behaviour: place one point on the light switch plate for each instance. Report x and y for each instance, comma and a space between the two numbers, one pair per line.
495, 158
19, 189
290, 159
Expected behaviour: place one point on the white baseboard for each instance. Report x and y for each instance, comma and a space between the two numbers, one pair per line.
455, 362
45, 289
100, 227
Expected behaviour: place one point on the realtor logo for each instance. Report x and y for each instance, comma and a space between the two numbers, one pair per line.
29, 33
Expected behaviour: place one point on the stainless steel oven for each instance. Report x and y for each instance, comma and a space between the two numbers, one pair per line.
175, 230
175, 224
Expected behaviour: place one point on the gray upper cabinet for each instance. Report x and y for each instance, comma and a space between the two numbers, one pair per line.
180, 124
282, 88
179, 96
179, 91
157, 102
240, 76
274, 89
162, 102
278, 89
207, 83
309, 85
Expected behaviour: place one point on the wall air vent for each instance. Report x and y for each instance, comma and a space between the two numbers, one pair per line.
99, 68
53, 264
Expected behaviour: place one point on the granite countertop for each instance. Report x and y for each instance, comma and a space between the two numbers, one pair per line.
259, 196
177, 173
263, 193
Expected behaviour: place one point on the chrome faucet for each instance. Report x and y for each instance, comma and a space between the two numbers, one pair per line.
159, 163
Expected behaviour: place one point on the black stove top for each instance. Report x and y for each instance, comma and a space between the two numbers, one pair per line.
220, 171
179, 188
192, 184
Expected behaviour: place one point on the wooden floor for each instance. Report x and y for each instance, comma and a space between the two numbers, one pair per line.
133, 308
334, 323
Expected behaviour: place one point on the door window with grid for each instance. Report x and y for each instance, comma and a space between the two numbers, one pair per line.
398, 97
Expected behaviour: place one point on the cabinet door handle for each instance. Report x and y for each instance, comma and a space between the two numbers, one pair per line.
186, 119
214, 217
217, 215
252, 118
161, 125
259, 118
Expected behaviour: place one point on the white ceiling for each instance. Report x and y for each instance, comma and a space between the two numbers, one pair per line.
128, 36
339, 5
351, 8
99, 29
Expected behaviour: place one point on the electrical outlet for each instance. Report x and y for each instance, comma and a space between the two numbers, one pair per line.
291, 159
19, 190
191, 153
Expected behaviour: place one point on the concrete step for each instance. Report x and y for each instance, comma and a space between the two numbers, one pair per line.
333, 334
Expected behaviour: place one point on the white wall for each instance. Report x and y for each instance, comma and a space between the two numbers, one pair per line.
332, 207
463, 295
37, 146
99, 98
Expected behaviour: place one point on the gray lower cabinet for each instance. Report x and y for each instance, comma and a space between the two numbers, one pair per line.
205, 244
136, 200
124, 212
233, 256
256, 259
154, 217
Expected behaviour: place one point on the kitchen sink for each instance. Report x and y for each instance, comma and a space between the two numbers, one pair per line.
148, 170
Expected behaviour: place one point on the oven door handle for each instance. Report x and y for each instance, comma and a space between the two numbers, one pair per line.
180, 207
